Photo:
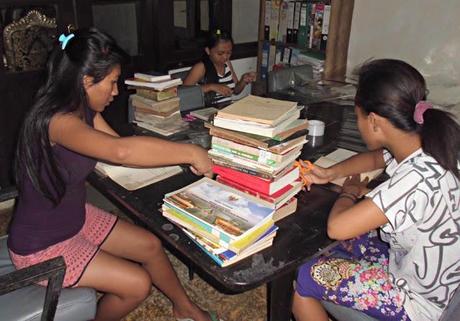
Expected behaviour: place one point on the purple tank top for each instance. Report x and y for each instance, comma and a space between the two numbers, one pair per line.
37, 223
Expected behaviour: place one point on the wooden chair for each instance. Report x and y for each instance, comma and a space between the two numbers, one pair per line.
21, 299
28, 41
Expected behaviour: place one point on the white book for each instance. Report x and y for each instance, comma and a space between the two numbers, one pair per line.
151, 78
255, 128
134, 178
339, 155
159, 86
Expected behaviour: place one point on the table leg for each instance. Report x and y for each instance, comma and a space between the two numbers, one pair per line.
279, 297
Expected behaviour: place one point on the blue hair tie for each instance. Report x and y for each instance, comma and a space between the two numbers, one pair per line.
65, 39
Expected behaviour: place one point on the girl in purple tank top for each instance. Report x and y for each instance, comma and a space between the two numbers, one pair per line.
62, 137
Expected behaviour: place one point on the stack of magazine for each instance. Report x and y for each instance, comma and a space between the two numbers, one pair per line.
155, 104
226, 223
254, 145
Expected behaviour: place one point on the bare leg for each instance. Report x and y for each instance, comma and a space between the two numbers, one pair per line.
134, 243
308, 309
125, 284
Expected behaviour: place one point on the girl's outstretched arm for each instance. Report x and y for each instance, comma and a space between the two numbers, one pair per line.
71, 132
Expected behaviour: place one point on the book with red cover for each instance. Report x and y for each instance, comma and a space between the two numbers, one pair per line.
258, 184
279, 198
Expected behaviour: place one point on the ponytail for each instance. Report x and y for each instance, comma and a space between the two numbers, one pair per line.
440, 135
397, 91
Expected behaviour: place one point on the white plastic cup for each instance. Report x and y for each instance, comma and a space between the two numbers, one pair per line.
315, 128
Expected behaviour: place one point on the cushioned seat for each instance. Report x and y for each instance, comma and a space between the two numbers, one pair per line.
27, 303
340, 313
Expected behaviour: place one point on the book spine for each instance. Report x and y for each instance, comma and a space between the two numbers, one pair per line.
240, 168
243, 161
258, 155
246, 240
202, 246
245, 189
223, 238
155, 95
274, 18
267, 18
238, 139
265, 60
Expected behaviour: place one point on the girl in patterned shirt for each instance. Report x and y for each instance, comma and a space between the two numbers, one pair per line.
410, 270
215, 73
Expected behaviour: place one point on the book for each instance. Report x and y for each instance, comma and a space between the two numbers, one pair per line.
199, 228
205, 113
252, 153
264, 186
278, 199
271, 169
163, 126
164, 106
256, 140
339, 155
161, 85
224, 257
287, 209
147, 112
231, 214
256, 128
134, 178
261, 110
249, 167
157, 95
267, 18
151, 78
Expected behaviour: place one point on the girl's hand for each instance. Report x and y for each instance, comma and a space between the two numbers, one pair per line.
317, 175
201, 163
249, 77
354, 186
223, 90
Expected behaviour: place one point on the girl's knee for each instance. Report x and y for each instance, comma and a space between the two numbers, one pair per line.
153, 244
140, 287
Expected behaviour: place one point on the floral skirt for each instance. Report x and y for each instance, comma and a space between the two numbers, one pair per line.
354, 274
77, 251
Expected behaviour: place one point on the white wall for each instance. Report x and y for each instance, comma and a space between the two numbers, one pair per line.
425, 33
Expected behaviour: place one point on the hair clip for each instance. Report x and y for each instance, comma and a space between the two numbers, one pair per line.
218, 32
421, 107
65, 39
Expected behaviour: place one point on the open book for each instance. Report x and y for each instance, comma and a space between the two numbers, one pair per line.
134, 178
339, 155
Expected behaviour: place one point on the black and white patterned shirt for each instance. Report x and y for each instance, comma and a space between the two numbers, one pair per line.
422, 203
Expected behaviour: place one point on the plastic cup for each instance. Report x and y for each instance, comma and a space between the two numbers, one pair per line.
315, 128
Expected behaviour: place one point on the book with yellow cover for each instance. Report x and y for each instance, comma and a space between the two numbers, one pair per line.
261, 110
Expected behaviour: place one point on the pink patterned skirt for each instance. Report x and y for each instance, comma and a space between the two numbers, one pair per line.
77, 251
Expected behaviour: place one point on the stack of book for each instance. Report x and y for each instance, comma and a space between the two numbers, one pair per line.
254, 145
227, 224
155, 103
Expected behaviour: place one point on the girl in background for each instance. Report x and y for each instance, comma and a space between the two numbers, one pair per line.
215, 73
411, 271
62, 137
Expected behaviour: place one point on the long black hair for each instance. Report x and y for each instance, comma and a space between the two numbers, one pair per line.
214, 38
90, 52
392, 88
